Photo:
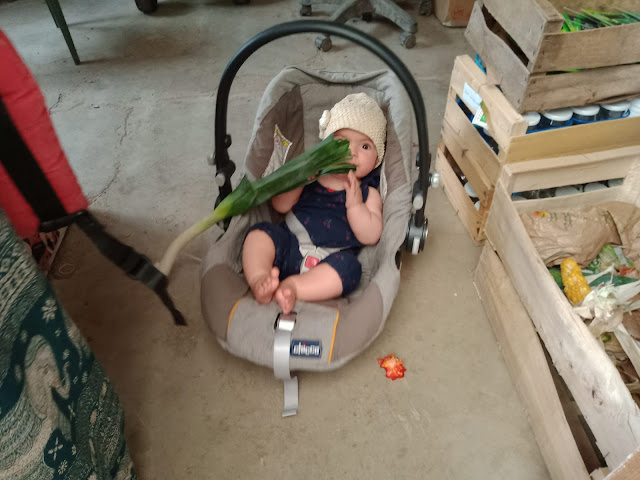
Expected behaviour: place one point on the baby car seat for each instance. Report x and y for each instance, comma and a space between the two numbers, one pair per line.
324, 335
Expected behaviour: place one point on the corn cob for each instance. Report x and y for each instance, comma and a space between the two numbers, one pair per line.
327, 157
575, 285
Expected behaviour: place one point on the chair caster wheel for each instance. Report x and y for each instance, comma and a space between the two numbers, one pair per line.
305, 10
367, 16
425, 7
147, 6
323, 43
408, 40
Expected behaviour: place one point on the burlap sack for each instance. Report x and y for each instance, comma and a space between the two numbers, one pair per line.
627, 220
576, 233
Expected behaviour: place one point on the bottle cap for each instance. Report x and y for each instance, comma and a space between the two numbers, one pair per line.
617, 106
559, 114
592, 187
470, 191
533, 118
587, 110
568, 190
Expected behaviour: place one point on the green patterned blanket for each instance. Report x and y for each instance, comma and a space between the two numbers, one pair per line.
60, 417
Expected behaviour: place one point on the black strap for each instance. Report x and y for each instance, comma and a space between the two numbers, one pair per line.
26, 174
134, 264
24, 171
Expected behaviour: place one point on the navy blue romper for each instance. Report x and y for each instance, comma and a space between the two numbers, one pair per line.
323, 213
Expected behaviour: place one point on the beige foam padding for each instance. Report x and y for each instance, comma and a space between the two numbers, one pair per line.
361, 321
288, 115
245, 328
224, 287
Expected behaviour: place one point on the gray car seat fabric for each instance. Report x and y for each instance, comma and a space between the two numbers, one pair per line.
334, 331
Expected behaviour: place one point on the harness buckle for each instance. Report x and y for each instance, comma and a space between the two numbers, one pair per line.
281, 343
311, 261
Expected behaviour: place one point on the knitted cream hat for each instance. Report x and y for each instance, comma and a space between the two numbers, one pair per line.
359, 112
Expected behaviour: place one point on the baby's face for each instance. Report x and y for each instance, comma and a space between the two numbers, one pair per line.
364, 154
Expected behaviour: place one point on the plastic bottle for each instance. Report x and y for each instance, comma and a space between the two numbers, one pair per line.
535, 194
568, 190
586, 114
559, 117
471, 192
610, 111
533, 118
615, 182
634, 108
592, 187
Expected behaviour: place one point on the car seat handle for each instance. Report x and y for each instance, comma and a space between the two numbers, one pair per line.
223, 140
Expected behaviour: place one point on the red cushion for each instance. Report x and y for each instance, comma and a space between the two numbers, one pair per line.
27, 109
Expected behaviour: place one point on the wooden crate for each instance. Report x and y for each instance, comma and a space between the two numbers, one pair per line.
473, 219
595, 384
564, 444
607, 58
462, 145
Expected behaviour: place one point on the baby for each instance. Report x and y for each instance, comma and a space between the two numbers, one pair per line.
312, 256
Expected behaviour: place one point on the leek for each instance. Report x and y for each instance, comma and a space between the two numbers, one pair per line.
327, 157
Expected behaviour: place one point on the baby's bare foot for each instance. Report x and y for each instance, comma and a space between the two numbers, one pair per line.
264, 286
285, 296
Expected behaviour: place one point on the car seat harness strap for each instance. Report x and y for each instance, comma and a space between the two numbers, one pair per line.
281, 351
311, 255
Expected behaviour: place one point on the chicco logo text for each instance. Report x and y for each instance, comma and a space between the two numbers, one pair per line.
305, 348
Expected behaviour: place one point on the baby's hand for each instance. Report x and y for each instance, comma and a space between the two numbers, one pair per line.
352, 188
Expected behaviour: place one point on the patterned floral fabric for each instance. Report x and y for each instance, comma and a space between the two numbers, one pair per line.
60, 417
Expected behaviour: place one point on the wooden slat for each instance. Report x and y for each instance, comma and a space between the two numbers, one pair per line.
574, 140
504, 122
528, 367
466, 71
467, 162
458, 197
629, 470
512, 74
526, 21
586, 200
629, 192
581, 434
594, 382
472, 154
599, 474
572, 170
600, 47
579, 88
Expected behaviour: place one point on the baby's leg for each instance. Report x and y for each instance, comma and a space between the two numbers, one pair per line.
338, 274
258, 254
322, 282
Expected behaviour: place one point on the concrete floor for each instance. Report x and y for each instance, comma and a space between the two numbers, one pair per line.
136, 120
